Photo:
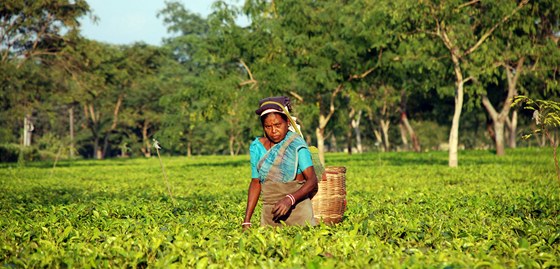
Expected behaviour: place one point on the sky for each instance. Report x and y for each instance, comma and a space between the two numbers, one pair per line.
124, 22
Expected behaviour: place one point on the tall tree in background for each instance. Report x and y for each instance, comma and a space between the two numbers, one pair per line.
35, 28
315, 49
461, 28
184, 109
385, 71
210, 52
142, 111
24, 90
232, 81
103, 82
521, 45
197, 94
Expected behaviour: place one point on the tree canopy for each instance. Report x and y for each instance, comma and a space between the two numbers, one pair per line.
354, 69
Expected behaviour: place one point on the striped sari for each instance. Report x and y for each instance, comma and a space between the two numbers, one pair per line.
277, 172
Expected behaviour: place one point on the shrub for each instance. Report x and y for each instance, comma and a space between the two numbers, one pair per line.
11, 153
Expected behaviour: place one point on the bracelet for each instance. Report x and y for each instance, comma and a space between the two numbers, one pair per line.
245, 223
291, 199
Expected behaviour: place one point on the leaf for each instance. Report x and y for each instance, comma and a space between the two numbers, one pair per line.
523, 243
202, 263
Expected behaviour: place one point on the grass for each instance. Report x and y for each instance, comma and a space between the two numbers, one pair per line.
404, 210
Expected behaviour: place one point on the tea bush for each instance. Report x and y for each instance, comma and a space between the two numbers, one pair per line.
404, 210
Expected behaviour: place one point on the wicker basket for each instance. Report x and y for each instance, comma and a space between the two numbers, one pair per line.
329, 203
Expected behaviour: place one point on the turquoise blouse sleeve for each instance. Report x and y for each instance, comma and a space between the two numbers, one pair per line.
256, 154
304, 160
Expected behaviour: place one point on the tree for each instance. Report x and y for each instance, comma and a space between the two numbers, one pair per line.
35, 28
142, 112
102, 83
461, 29
521, 46
23, 91
315, 52
546, 114
210, 53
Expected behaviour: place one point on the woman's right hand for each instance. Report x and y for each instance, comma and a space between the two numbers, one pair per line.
281, 208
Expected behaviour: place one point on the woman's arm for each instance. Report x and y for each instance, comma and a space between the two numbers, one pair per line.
252, 199
310, 185
283, 206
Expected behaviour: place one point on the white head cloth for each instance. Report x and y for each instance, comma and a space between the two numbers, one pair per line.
290, 127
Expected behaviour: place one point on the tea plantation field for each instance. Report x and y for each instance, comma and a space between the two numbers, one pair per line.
404, 210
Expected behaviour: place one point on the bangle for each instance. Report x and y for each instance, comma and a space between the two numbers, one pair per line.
245, 223
291, 198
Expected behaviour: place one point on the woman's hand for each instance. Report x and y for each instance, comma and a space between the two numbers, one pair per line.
281, 208
253, 197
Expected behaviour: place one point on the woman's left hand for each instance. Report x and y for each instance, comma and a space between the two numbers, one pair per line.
281, 208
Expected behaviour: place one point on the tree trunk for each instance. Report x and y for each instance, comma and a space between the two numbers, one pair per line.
71, 123
490, 130
411, 133
189, 145
146, 148
498, 122
113, 126
512, 128
379, 139
333, 147
459, 94
105, 145
384, 124
403, 136
499, 131
231, 143
239, 147
349, 132
349, 141
323, 120
500, 119
27, 130
404, 129
356, 127
320, 134
454, 132
124, 150
97, 150
92, 124
376, 133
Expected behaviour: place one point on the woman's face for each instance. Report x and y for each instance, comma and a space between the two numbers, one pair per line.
275, 127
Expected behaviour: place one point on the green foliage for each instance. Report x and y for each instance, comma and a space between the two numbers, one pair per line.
404, 210
431, 134
547, 117
546, 113
35, 28
15, 153
198, 91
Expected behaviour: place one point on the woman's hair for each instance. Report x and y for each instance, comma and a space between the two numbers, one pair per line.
284, 116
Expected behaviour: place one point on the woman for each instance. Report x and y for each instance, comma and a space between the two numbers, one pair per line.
281, 169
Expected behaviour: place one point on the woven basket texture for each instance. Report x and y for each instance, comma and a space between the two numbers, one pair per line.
329, 203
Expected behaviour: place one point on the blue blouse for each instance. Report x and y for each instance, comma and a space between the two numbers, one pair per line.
257, 151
